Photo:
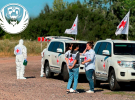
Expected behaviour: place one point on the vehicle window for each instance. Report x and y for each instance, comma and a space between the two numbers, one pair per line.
97, 47
55, 46
109, 48
61, 46
50, 46
102, 47
124, 48
82, 47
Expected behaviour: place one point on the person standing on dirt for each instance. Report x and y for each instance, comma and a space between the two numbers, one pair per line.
73, 65
42, 66
21, 56
89, 62
68, 50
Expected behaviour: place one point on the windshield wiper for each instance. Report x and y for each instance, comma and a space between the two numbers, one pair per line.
127, 54
118, 53
133, 53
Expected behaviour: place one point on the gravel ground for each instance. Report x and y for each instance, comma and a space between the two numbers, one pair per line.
36, 88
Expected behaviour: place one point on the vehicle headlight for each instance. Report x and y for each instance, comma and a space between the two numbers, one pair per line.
125, 64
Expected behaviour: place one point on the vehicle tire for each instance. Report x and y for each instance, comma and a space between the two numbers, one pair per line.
65, 73
113, 84
96, 82
48, 73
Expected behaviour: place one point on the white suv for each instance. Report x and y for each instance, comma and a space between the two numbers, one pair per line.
115, 62
54, 57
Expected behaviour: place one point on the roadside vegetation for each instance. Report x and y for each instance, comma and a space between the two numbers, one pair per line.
120, 93
98, 19
33, 47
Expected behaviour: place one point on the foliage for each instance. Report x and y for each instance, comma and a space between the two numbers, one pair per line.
98, 20
59, 5
33, 47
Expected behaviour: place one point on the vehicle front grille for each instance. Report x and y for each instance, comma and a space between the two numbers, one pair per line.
134, 64
81, 60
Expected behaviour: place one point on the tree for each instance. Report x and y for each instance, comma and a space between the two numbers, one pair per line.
96, 21
59, 5
46, 9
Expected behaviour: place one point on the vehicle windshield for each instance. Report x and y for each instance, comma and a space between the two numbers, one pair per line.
82, 47
124, 48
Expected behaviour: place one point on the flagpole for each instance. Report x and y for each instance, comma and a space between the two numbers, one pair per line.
128, 25
77, 26
41, 45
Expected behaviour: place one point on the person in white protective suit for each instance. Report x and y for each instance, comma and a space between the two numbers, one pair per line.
42, 62
21, 54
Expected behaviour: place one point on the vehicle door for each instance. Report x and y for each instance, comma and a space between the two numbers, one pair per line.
107, 60
96, 49
100, 60
49, 53
60, 56
54, 56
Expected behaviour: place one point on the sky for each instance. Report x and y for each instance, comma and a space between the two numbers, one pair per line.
33, 7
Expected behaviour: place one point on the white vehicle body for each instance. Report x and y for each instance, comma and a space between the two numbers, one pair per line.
56, 59
112, 55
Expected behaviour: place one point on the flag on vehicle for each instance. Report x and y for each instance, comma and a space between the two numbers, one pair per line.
122, 28
73, 29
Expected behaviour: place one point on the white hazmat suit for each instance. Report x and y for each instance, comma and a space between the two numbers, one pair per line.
21, 54
42, 62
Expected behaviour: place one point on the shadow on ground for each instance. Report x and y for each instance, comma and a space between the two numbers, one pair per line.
83, 91
82, 78
124, 87
30, 77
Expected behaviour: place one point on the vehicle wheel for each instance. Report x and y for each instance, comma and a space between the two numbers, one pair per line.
113, 82
65, 73
96, 82
48, 73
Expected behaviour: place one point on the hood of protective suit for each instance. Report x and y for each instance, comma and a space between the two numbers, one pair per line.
21, 42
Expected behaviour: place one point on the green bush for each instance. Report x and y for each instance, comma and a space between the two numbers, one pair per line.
33, 47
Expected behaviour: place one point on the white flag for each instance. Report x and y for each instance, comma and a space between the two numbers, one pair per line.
73, 29
122, 28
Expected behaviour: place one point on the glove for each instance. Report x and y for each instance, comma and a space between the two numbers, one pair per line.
25, 62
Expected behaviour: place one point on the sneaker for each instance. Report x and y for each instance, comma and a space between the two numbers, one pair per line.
22, 78
71, 90
75, 91
41, 75
67, 92
89, 91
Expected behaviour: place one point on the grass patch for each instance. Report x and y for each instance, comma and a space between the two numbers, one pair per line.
80, 86
33, 47
120, 93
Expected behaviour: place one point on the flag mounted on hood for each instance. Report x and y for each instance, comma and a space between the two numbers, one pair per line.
122, 28
73, 29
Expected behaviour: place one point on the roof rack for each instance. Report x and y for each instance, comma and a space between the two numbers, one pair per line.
49, 38
108, 39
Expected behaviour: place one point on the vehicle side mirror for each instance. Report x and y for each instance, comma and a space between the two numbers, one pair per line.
106, 52
59, 50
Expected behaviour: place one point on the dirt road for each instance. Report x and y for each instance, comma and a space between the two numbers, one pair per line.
36, 88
